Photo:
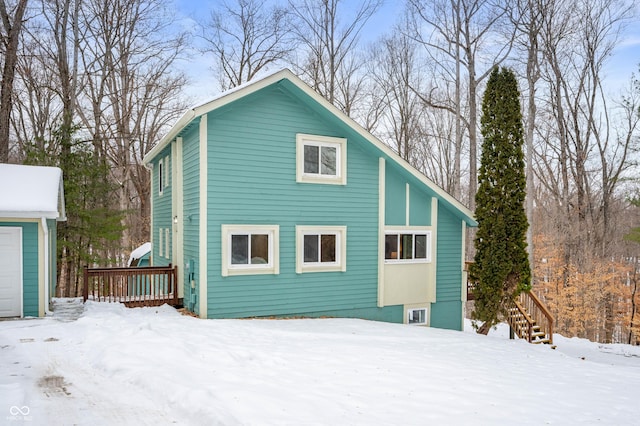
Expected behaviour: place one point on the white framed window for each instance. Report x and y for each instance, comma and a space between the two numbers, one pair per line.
321, 248
321, 159
166, 243
161, 173
160, 243
417, 316
250, 249
407, 246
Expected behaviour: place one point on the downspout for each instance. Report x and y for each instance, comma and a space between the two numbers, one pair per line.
47, 266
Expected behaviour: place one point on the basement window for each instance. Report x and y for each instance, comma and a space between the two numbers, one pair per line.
417, 316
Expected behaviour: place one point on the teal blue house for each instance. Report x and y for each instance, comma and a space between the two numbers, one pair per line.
272, 202
31, 205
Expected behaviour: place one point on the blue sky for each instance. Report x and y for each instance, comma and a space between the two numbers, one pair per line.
618, 70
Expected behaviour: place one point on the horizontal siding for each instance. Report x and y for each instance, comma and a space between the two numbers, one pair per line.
395, 198
191, 209
419, 207
162, 213
447, 311
252, 180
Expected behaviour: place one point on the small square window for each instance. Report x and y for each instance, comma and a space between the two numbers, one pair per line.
249, 249
417, 316
321, 159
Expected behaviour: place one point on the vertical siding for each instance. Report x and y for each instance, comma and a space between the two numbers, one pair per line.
191, 206
162, 214
30, 273
447, 311
252, 180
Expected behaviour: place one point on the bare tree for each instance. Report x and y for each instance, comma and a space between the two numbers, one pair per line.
394, 70
328, 45
12, 22
460, 34
131, 92
576, 46
246, 38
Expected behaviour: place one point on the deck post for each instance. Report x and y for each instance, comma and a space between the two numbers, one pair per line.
85, 289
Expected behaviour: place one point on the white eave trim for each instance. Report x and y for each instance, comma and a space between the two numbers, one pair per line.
30, 215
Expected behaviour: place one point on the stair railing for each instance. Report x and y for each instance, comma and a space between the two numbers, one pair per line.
520, 321
538, 312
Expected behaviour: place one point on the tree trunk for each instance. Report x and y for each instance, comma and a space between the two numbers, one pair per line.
11, 34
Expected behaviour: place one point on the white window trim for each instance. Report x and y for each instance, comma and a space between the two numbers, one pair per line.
410, 313
414, 232
273, 267
166, 172
340, 265
161, 173
341, 159
166, 243
160, 242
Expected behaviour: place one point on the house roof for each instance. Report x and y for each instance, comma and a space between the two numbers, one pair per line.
296, 86
31, 192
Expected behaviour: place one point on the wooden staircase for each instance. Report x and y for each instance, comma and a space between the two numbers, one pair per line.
530, 319
527, 316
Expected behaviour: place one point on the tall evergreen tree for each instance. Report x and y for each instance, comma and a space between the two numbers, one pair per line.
501, 269
93, 228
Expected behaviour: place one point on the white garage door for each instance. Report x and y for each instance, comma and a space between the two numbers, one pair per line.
10, 272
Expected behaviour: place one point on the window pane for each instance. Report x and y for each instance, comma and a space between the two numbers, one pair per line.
259, 249
328, 248
421, 246
406, 246
328, 160
239, 249
417, 316
311, 159
391, 246
311, 248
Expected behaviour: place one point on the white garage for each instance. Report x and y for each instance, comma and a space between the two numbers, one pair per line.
31, 204
10, 271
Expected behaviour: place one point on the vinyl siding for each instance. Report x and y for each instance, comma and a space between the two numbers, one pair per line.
419, 207
162, 214
252, 180
30, 272
395, 198
447, 311
191, 206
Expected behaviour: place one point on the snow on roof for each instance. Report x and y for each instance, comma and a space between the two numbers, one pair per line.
31, 191
139, 252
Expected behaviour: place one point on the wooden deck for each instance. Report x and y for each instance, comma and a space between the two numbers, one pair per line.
139, 286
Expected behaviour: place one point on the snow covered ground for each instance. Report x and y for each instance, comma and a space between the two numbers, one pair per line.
153, 366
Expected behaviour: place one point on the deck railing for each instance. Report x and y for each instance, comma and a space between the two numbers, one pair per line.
140, 286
